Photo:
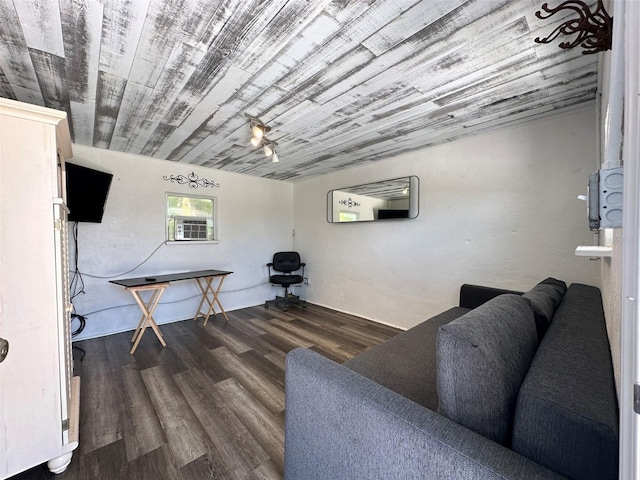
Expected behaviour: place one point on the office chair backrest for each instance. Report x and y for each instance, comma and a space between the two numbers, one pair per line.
286, 261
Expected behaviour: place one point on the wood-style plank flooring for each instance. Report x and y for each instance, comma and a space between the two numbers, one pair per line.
208, 406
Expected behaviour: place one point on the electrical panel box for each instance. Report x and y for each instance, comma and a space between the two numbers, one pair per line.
605, 198
610, 197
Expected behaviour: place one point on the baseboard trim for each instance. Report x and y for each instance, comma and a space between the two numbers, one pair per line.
360, 316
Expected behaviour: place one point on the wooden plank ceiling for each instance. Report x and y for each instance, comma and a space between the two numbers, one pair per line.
340, 82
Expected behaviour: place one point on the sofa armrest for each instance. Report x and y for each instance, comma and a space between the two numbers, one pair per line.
341, 425
472, 296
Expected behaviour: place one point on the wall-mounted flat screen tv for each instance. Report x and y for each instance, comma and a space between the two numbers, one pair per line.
87, 191
383, 214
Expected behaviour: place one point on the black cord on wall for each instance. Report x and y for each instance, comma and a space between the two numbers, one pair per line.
76, 285
83, 322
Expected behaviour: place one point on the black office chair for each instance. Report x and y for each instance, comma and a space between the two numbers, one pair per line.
287, 264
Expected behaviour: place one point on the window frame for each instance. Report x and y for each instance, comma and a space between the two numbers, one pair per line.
168, 218
350, 213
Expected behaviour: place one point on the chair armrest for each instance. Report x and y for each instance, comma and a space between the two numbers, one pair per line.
341, 425
269, 265
472, 296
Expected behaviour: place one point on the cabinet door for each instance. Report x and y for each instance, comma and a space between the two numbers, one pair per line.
30, 423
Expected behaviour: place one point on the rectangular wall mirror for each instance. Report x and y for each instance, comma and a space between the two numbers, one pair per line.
397, 198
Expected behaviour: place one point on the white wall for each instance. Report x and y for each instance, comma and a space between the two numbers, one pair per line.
498, 209
611, 275
255, 220
611, 89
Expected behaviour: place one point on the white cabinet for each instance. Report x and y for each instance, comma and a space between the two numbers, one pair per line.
39, 398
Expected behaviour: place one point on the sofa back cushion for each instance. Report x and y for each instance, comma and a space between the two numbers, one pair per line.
481, 360
472, 296
567, 412
545, 298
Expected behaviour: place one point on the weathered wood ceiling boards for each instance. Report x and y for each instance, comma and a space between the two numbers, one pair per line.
340, 82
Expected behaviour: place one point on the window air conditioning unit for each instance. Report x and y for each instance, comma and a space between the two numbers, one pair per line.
191, 228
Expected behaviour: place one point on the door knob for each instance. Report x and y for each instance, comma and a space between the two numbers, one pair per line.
4, 349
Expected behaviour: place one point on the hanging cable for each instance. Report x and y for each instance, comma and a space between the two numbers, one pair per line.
199, 295
128, 271
83, 321
76, 285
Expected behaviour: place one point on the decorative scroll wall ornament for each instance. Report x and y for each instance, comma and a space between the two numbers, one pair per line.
594, 29
192, 179
349, 203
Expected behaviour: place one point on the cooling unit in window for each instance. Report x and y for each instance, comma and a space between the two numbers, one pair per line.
191, 228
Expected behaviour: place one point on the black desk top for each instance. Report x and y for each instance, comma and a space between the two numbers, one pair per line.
171, 277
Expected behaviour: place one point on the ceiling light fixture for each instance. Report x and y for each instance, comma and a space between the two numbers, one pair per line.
259, 139
258, 129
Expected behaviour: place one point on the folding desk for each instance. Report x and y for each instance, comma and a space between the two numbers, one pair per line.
157, 284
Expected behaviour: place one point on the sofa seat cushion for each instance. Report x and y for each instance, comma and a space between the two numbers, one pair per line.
482, 358
567, 412
545, 298
406, 363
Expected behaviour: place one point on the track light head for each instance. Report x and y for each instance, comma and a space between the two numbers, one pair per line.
258, 131
257, 126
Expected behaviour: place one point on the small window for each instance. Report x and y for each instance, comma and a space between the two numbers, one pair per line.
347, 216
191, 218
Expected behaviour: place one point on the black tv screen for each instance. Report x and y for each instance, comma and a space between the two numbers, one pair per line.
87, 191
384, 214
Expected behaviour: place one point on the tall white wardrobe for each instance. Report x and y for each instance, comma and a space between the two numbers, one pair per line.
39, 397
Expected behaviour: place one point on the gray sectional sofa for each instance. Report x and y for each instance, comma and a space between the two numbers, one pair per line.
504, 386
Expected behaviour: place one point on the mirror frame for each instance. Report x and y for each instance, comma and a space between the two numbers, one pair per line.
414, 198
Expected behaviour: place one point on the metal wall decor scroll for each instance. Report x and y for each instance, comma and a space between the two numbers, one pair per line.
192, 179
594, 29
349, 203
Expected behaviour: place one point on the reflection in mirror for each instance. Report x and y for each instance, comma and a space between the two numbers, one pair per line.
387, 199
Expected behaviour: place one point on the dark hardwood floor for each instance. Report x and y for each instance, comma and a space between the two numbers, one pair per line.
208, 406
